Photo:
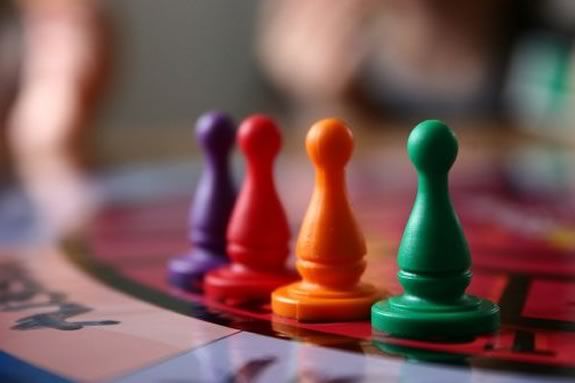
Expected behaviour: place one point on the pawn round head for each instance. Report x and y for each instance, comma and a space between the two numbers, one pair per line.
329, 143
215, 132
432, 147
259, 137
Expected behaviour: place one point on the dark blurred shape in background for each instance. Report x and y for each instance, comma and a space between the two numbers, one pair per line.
404, 58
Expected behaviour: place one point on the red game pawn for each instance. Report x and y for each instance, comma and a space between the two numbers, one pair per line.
258, 231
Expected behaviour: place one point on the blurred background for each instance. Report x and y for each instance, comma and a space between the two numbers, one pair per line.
89, 86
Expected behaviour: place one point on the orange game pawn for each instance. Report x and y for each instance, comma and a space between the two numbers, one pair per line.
330, 249
258, 232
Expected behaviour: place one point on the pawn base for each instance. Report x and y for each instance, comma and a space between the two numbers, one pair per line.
305, 302
407, 317
187, 271
236, 285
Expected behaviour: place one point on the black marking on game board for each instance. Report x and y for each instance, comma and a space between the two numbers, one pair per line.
58, 319
524, 342
513, 300
19, 291
78, 253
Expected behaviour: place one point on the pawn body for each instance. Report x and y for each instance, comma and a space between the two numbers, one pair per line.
434, 259
330, 248
211, 206
258, 233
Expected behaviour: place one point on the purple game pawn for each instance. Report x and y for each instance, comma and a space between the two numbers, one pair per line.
212, 204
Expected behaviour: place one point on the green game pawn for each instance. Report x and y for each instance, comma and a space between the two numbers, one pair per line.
433, 257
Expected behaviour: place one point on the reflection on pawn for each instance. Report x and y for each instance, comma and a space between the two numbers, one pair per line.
434, 259
258, 233
212, 204
330, 248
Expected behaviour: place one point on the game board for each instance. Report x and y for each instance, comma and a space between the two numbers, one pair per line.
523, 248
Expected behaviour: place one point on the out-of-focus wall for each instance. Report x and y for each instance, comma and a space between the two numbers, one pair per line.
174, 60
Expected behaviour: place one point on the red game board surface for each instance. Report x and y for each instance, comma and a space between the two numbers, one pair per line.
522, 253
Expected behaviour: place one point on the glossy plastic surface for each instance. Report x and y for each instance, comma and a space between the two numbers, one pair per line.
211, 206
433, 257
330, 248
258, 232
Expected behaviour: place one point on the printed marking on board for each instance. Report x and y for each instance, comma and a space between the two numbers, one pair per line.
519, 342
19, 291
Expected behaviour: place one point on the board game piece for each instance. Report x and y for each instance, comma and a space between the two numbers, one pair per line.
434, 258
330, 247
212, 204
258, 233
126, 247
